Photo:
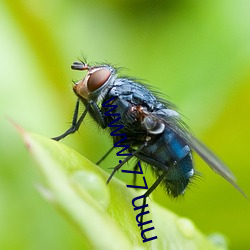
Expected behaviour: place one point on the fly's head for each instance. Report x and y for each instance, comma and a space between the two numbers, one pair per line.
95, 81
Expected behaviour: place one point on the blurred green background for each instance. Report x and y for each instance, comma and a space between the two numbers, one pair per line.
196, 52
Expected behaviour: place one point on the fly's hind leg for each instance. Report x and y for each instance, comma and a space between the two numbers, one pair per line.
149, 191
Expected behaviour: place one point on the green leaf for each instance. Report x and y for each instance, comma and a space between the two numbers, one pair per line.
104, 214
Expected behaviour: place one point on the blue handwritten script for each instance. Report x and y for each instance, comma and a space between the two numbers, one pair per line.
123, 137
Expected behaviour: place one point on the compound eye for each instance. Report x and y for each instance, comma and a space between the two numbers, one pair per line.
97, 79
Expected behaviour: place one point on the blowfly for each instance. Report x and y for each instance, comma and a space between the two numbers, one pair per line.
154, 131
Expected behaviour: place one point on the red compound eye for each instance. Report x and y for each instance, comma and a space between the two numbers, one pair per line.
97, 79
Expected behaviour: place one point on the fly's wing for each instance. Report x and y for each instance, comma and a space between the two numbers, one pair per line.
175, 124
212, 160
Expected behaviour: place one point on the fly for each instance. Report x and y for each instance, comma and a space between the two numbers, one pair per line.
155, 132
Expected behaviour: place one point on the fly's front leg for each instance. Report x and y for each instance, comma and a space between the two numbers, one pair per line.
75, 123
97, 114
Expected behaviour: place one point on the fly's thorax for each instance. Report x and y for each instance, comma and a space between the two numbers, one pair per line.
95, 84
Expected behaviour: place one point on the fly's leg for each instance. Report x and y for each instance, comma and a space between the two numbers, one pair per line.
124, 161
105, 156
149, 191
75, 124
136, 170
100, 118
118, 167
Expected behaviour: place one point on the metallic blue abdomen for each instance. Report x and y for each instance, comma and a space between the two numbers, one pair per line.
171, 153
